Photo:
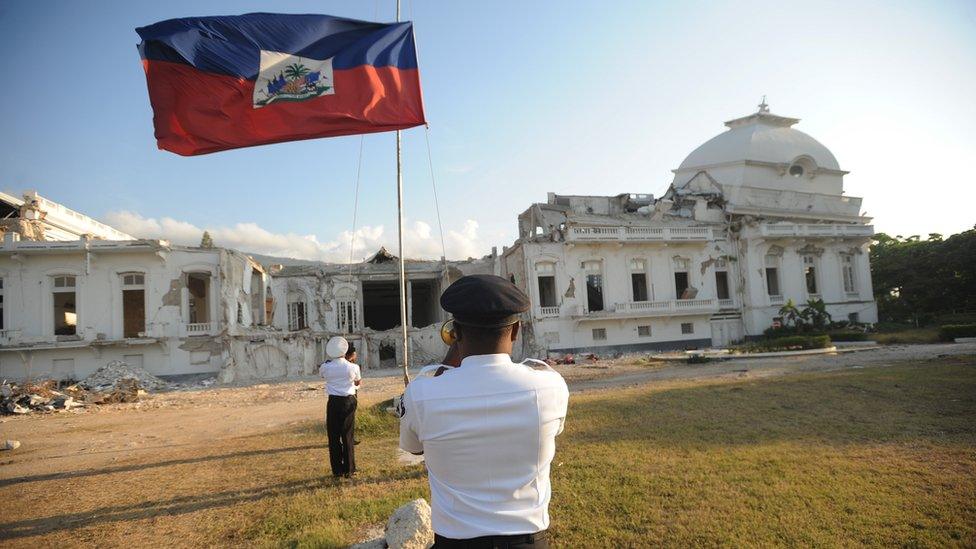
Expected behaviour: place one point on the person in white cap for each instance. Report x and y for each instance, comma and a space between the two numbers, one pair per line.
342, 378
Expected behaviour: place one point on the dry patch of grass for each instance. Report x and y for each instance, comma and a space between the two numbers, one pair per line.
876, 456
909, 335
881, 456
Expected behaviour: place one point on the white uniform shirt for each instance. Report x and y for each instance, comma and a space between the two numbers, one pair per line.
488, 433
340, 377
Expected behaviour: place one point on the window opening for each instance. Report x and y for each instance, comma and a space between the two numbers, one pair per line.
423, 303
133, 305
65, 306
198, 285
381, 305
810, 275
594, 285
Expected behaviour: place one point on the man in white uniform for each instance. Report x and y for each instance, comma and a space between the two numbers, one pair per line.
487, 428
341, 380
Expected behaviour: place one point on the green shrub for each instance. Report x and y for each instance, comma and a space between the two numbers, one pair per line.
782, 331
955, 319
848, 336
789, 343
952, 331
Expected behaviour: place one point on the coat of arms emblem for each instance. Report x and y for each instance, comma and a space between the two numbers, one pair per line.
286, 77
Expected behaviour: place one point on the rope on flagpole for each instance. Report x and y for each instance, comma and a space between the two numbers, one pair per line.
355, 207
433, 186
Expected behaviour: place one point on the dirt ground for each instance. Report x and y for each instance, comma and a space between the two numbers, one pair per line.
146, 463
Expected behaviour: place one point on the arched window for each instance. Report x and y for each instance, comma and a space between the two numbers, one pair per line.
772, 263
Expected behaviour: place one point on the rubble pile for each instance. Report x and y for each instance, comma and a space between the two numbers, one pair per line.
107, 378
113, 383
126, 389
39, 397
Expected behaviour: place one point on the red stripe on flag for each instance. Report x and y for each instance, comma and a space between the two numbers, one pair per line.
197, 112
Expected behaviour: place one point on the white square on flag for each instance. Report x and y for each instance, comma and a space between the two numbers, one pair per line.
286, 77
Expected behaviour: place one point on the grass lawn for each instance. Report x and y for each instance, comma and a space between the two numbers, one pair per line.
908, 335
872, 456
881, 456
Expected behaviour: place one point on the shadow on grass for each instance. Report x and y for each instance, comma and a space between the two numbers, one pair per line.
372, 422
143, 466
934, 401
187, 504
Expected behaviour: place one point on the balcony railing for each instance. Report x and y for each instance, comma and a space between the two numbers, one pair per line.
792, 229
639, 234
549, 312
726, 303
200, 328
777, 299
667, 307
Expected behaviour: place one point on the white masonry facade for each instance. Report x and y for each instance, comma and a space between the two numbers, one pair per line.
753, 217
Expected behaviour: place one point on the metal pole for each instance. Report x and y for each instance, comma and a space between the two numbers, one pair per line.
403, 277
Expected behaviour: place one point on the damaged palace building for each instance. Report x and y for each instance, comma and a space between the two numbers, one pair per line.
753, 217
77, 294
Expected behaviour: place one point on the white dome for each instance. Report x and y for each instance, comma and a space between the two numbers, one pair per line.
761, 136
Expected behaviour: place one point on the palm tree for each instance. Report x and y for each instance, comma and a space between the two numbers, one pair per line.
816, 313
296, 70
789, 312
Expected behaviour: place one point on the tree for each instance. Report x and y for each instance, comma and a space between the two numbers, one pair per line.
789, 312
816, 314
917, 280
296, 70
206, 241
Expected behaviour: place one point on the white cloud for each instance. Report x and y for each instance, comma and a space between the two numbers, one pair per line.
419, 239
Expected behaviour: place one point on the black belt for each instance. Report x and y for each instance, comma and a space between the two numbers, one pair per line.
489, 542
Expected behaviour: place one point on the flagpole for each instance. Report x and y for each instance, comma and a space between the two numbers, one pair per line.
403, 277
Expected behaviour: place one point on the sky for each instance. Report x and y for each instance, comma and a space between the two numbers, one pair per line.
522, 98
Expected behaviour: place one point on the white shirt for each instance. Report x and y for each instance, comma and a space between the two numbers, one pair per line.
340, 377
488, 434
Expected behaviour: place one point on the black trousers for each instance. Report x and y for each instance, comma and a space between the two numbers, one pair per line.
340, 420
539, 540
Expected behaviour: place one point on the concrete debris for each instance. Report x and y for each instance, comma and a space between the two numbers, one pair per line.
11, 445
114, 383
409, 527
107, 377
205, 383
37, 397
124, 390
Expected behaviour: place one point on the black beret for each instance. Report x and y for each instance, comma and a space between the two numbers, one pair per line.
486, 301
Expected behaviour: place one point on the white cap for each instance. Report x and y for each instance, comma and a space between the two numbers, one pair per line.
336, 347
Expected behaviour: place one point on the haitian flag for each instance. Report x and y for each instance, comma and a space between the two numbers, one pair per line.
218, 83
